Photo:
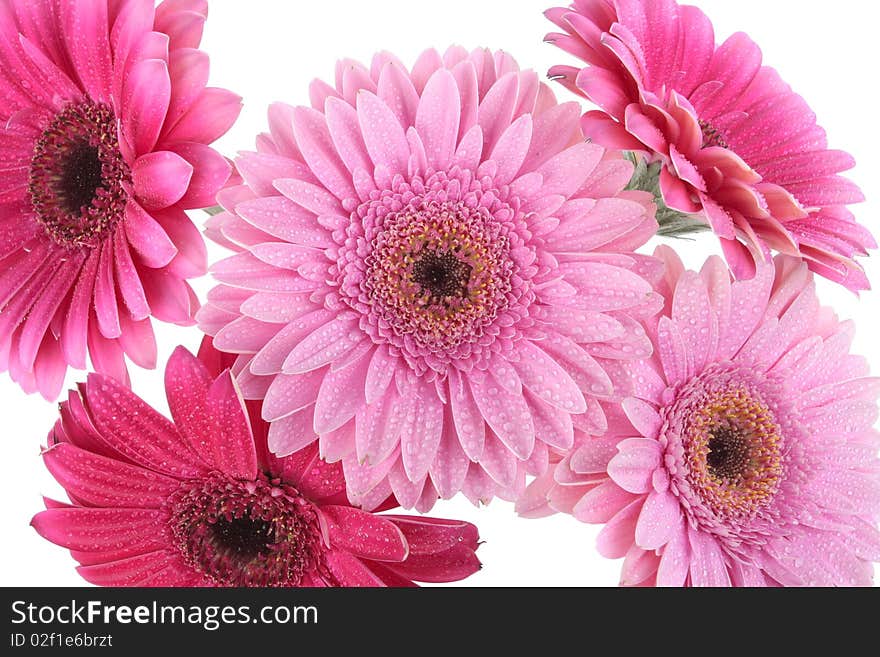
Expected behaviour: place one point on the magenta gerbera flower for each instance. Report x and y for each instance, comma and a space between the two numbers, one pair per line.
734, 140
435, 276
106, 120
200, 501
745, 455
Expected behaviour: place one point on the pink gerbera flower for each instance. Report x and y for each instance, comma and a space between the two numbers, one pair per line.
200, 501
106, 121
745, 455
431, 276
734, 140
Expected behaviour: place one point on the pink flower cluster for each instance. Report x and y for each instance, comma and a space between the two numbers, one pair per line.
435, 288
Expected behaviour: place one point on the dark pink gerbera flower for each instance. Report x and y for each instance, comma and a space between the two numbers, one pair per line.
735, 142
200, 502
106, 120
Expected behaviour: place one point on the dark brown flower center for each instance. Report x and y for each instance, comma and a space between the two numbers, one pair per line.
442, 275
256, 533
245, 537
729, 453
78, 176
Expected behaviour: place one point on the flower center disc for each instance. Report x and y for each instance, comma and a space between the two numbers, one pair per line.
237, 533
438, 275
728, 446
78, 175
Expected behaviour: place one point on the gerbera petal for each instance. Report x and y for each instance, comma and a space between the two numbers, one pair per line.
100, 481
88, 45
364, 534
658, 520
161, 179
147, 237
145, 436
383, 134
145, 98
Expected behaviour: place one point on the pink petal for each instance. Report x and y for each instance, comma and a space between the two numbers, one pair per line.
675, 561
467, 417
290, 393
341, 396
707, 561
345, 131
384, 136
602, 503
292, 433
450, 467
349, 571
633, 467
643, 416
317, 148
437, 118
106, 309
420, 435
506, 413
451, 565
497, 107
544, 377
130, 287
658, 520
324, 346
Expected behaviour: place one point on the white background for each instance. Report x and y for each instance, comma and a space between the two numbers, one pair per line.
269, 50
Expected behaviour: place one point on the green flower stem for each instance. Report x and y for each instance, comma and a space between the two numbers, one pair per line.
646, 178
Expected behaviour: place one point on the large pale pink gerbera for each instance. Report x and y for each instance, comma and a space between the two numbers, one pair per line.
201, 502
745, 454
436, 276
105, 124
734, 140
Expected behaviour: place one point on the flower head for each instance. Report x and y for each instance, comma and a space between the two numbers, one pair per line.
107, 122
745, 454
200, 502
435, 275
736, 143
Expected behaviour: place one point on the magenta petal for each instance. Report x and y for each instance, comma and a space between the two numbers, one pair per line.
434, 535
147, 237
145, 101
85, 32
161, 179
349, 571
208, 119
210, 172
101, 530
101, 481
130, 571
364, 534
130, 426
451, 565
